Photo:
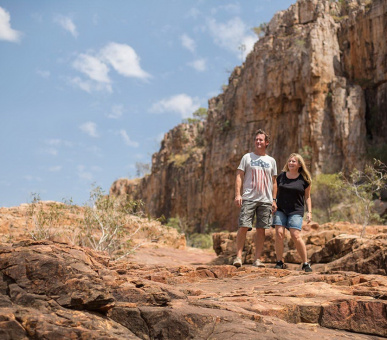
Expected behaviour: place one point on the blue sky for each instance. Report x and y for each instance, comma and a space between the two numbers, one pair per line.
88, 88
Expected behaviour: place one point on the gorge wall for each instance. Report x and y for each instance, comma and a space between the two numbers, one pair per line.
316, 82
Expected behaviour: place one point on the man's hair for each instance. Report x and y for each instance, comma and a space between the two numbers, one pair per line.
261, 132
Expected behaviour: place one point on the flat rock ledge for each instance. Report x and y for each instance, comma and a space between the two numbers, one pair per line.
56, 291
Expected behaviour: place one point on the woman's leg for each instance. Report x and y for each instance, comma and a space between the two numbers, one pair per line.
299, 242
279, 241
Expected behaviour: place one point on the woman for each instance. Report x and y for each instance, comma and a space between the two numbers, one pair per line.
293, 185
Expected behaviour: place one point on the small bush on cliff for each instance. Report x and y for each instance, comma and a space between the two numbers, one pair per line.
260, 30
179, 159
201, 113
100, 224
362, 188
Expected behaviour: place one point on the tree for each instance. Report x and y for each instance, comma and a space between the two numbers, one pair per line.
201, 113
327, 193
260, 30
242, 48
366, 186
142, 169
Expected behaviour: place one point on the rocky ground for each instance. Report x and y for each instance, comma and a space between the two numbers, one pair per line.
55, 290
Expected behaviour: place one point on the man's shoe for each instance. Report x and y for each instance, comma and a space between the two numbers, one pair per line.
258, 263
306, 267
280, 265
237, 262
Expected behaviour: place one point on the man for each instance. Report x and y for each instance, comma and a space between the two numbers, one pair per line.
257, 171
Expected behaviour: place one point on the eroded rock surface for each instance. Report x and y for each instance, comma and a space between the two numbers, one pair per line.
55, 291
333, 246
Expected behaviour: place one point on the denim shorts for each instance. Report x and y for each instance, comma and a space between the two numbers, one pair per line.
261, 210
288, 221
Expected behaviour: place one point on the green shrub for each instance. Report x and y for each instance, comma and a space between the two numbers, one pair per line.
193, 239
326, 195
203, 241
45, 218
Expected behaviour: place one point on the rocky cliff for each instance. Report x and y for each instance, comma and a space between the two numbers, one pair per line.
317, 82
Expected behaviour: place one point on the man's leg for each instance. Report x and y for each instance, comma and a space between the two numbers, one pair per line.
240, 241
259, 241
245, 220
263, 214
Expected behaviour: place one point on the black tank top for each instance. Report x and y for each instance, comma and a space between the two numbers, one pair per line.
291, 194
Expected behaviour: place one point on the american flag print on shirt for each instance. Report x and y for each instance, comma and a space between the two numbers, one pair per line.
260, 180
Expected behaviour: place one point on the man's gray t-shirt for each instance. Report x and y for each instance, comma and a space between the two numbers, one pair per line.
258, 178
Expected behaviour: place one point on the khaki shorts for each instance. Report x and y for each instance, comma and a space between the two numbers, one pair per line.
261, 210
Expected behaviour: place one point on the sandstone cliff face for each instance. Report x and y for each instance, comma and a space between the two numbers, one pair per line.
316, 82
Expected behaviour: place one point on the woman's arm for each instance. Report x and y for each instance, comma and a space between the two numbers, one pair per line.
308, 201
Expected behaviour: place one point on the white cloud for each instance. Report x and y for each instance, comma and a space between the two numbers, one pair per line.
116, 112
95, 19
90, 128
249, 41
199, 65
55, 168
30, 178
188, 42
181, 103
50, 151
53, 144
43, 73
193, 13
127, 139
6, 32
232, 35
95, 150
84, 174
94, 68
59, 142
231, 8
90, 85
96, 168
67, 23
121, 57
124, 60
5, 183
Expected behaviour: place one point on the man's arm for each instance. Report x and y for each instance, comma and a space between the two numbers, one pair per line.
274, 193
238, 186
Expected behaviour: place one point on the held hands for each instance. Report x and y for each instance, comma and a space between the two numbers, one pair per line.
274, 207
238, 200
